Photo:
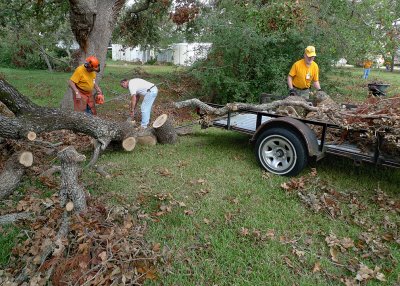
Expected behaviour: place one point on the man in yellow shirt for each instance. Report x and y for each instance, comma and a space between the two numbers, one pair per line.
82, 83
302, 73
367, 68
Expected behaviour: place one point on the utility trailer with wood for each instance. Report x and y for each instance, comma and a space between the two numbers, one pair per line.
284, 145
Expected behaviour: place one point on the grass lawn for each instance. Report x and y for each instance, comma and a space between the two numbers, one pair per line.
221, 220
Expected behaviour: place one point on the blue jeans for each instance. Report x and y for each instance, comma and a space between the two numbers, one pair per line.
88, 110
366, 73
147, 103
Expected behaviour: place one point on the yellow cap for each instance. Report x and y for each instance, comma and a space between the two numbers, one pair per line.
310, 51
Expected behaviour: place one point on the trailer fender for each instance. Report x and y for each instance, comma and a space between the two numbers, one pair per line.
303, 130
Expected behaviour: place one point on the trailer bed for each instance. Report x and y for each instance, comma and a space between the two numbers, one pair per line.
247, 123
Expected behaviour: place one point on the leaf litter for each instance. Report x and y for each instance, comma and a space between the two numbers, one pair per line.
366, 257
104, 246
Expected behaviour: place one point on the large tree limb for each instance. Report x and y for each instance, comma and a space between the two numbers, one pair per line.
70, 187
31, 117
194, 102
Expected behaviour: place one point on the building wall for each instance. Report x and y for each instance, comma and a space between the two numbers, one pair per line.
136, 54
186, 54
183, 54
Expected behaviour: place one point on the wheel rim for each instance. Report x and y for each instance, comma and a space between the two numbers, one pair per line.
278, 154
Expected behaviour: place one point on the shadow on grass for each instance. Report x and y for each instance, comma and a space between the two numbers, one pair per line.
367, 175
225, 140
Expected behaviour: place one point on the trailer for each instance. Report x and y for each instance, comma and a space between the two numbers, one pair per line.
284, 145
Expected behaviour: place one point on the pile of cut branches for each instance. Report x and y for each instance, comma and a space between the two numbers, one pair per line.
377, 116
104, 246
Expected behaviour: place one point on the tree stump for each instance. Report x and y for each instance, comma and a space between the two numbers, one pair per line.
164, 130
71, 190
13, 171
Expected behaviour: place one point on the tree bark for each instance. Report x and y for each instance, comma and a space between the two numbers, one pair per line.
92, 23
71, 190
33, 118
13, 171
194, 102
164, 130
11, 218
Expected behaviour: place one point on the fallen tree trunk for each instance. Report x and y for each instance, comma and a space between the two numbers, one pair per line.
13, 171
30, 117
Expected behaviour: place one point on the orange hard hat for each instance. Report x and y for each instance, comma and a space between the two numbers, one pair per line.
93, 62
99, 99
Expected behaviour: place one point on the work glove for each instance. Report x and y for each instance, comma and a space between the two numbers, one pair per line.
292, 92
99, 98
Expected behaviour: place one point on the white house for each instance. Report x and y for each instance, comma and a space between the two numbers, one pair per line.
136, 54
184, 54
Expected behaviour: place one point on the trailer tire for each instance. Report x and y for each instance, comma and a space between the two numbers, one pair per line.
281, 151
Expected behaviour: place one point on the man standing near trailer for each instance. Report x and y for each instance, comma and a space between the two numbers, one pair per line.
302, 73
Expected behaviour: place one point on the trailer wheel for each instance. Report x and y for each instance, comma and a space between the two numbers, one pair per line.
281, 151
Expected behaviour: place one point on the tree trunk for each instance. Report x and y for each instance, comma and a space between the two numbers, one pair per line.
46, 58
92, 23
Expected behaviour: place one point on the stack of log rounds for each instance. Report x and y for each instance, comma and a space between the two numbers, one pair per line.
164, 130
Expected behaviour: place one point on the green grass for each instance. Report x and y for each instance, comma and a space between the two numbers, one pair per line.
8, 238
48, 88
216, 253
213, 190
346, 84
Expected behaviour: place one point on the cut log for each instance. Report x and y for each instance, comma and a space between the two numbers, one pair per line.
26, 159
69, 206
129, 143
164, 130
71, 190
13, 171
149, 140
31, 135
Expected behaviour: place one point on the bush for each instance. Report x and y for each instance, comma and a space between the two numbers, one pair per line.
247, 56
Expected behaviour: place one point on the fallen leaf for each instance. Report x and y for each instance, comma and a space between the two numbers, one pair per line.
333, 253
364, 273
317, 267
244, 231
347, 242
156, 247
188, 212
270, 233
103, 256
